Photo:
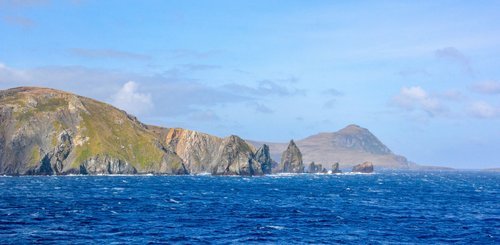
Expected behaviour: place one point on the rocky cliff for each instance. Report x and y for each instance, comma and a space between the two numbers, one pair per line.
46, 131
203, 153
291, 160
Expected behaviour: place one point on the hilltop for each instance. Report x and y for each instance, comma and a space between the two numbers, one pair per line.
47, 131
349, 146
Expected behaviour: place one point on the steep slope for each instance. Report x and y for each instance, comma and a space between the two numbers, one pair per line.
349, 146
203, 153
291, 160
46, 131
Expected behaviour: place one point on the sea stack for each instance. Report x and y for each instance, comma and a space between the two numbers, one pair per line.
366, 167
291, 160
315, 168
264, 158
335, 168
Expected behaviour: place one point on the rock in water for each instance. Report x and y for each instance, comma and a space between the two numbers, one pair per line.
335, 168
315, 168
46, 131
366, 167
291, 160
264, 158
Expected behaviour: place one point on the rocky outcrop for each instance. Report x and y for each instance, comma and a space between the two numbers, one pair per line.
335, 168
45, 131
106, 165
316, 168
366, 167
263, 157
203, 153
291, 160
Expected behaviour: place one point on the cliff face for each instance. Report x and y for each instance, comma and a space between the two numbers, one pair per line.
291, 160
203, 153
45, 131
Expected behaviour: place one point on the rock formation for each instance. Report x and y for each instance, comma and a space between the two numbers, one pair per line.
203, 153
366, 167
264, 158
291, 160
46, 131
315, 168
335, 168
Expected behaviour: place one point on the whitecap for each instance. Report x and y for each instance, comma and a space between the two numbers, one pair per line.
173, 201
275, 227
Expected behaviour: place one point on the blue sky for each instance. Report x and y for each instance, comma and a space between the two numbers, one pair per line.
423, 76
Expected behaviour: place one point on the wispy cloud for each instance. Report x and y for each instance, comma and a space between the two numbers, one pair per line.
484, 110
332, 92
129, 98
171, 97
264, 88
332, 95
453, 95
487, 87
416, 98
261, 108
107, 54
454, 55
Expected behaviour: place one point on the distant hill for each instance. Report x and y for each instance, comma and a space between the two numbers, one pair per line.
349, 146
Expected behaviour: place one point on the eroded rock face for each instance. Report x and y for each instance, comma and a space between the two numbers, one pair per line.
53, 162
46, 131
264, 158
203, 153
106, 165
366, 167
291, 160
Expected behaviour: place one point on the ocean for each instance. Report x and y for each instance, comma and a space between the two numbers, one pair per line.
381, 208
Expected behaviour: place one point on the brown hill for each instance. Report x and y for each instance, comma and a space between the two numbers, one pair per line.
349, 146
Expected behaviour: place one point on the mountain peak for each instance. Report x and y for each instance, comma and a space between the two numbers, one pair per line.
352, 129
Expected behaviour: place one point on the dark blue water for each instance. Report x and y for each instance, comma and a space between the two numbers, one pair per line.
428, 208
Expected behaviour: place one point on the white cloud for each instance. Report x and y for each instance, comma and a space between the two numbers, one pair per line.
185, 96
131, 100
487, 87
483, 109
416, 98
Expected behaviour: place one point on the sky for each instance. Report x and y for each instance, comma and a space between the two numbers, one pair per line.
423, 76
